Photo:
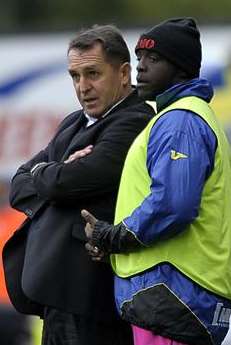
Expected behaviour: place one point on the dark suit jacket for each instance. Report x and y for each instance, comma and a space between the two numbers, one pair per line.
45, 262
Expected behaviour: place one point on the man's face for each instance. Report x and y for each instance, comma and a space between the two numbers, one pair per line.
98, 84
154, 74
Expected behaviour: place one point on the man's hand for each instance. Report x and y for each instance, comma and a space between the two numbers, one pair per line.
95, 253
90, 223
79, 154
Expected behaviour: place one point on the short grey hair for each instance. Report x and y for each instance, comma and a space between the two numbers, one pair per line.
109, 36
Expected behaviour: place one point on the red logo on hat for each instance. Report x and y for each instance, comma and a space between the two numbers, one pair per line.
145, 43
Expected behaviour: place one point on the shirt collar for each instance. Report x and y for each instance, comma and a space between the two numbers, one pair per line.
92, 120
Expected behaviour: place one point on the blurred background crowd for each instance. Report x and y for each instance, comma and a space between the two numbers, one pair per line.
36, 91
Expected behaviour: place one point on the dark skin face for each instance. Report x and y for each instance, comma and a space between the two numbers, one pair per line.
155, 74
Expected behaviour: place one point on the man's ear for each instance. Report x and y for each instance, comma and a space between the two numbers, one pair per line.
125, 71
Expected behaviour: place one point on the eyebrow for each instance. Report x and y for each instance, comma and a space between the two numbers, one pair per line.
85, 68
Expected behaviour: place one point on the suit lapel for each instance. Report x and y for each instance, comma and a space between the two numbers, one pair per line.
67, 136
75, 137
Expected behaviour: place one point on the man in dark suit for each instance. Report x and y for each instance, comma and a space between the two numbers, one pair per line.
53, 275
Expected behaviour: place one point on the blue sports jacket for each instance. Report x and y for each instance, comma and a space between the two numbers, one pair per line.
181, 129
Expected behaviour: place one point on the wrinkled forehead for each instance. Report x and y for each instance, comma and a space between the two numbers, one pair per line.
86, 57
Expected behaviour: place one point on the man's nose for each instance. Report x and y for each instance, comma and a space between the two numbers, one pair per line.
141, 66
84, 85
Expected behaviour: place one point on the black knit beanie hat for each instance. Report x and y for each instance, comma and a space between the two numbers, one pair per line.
177, 40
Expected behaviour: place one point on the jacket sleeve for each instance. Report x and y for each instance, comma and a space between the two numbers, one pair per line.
23, 194
95, 174
180, 159
113, 238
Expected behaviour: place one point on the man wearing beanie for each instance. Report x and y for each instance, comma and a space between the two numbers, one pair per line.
170, 245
